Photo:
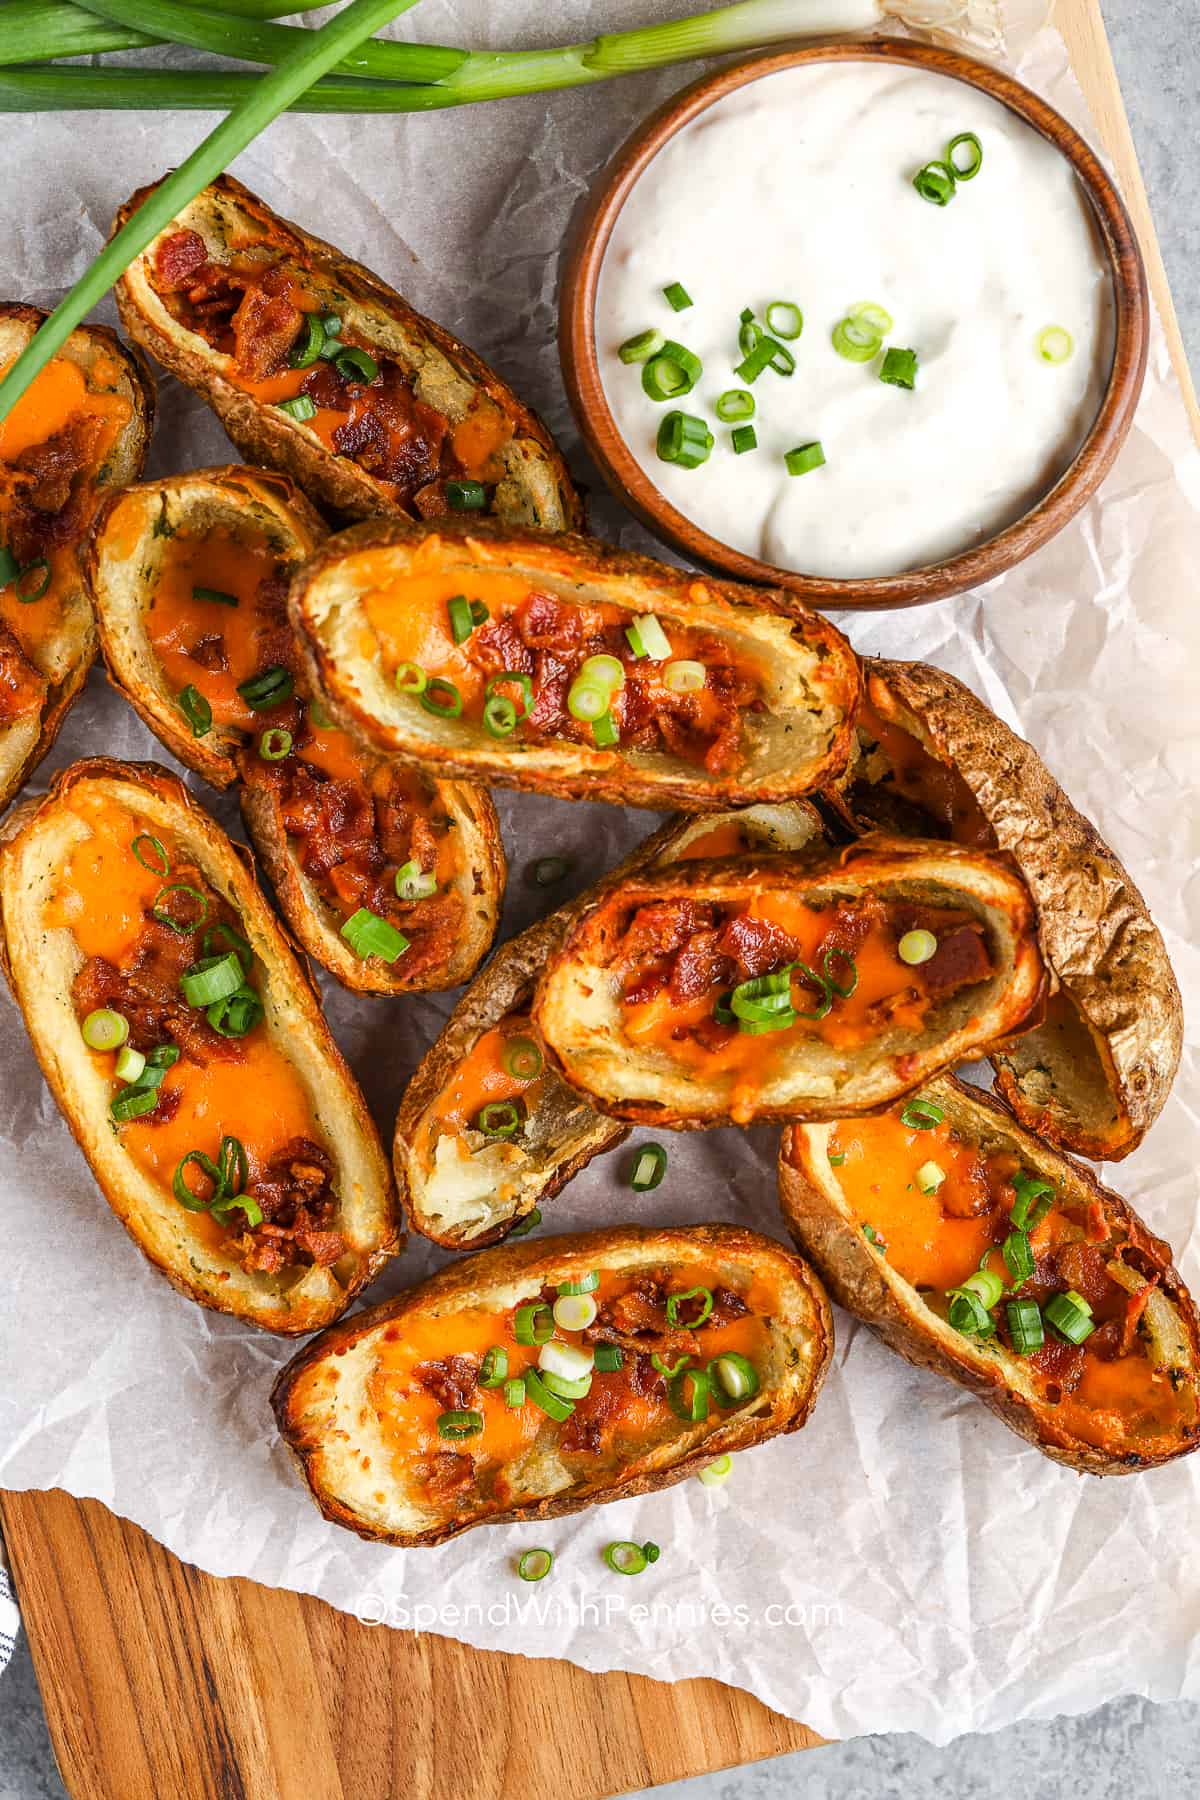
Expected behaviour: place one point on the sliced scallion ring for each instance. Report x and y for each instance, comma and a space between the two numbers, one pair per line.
356, 365
609, 1358
369, 935
441, 698
604, 671
160, 862
459, 1424
309, 345
672, 372
195, 709
677, 296
646, 637
936, 182
522, 1058
916, 947
1055, 344
159, 911
493, 1370
1025, 1326
300, 408
415, 883
268, 688
922, 1115
130, 1064
734, 1378
529, 1223
213, 978
550, 1403
587, 1284
735, 404
642, 345
587, 701
513, 678
410, 678
685, 676
466, 496
499, 1118
535, 1565
875, 318
784, 319
105, 1029
649, 1167
804, 458
717, 1472
533, 1324
275, 744
899, 368
688, 1395
675, 1301
461, 622
514, 1392
969, 170
624, 1558
684, 439
744, 438
856, 341
604, 732
574, 1312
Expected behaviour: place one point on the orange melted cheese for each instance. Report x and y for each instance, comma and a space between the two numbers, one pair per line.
408, 1413
102, 898
224, 561
481, 1079
936, 787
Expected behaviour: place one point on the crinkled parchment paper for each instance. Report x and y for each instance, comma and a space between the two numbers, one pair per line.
905, 1562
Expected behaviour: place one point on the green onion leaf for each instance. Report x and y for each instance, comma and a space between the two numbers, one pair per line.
968, 170
743, 439
899, 368
466, 496
213, 978
369, 935
458, 1424
196, 710
922, 1115
269, 688
804, 458
642, 345
160, 912
677, 297
215, 596
649, 1167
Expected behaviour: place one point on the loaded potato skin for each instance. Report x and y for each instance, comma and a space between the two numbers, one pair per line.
189, 577
933, 760
568, 667
535, 1380
789, 986
82, 430
187, 1050
318, 369
976, 1250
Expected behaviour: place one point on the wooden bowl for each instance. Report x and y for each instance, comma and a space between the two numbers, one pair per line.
581, 370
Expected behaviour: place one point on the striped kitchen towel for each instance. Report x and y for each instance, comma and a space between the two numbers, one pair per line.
10, 1618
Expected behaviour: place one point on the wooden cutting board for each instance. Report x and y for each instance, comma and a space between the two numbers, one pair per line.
161, 1683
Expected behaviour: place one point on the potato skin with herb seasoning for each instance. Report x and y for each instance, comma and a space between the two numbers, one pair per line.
1096, 1075
41, 960
327, 1416
860, 1278
533, 486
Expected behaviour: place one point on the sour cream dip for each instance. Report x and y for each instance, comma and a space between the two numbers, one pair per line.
798, 187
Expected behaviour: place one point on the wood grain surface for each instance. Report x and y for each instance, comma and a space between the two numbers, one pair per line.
161, 1682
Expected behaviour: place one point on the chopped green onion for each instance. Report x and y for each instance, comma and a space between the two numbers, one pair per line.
499, 716
852, 981
270, 688
734, 1378
547, 871
196, 710
974, 162
466, 496
441, 698
355, 365
672, 372
1034, 1199
625, 1559
649, 1167
604, 732
215, 596
105, 1029
784, 319
162, 864
213, 978
640, 346
930, 1177
564, 1388
587, 700
922, 1115
869, 1231
529, 1223
874, 318
767, 353
1055, 344
647, 638
130, 1065
804, 458
968, 1315
237, 1014
299, 408
688, 1395
515, 677
410, 678
514, 1392
750, 334
275, 744
159, 910
535, 1565
369, 935
233, 1165
1025, 1326
743, 439
550, 1403
684, 439
677, 297
414, 883
651, 1552
570, 1362
308, 347
916, 947
10, 568
187, 1195
534, 1324
522, 1059
499, 1118
587, 1284
856, 341
675, 1301
609, 1358
493, 1370
936, 183
717, 1472
1071, 1316
461, 622
684, 677
734, 404
132, 1102
747, 315
670, 1370
574, 1312
605, 671
1018, 1255
984, 1283
457, 1425
899, 368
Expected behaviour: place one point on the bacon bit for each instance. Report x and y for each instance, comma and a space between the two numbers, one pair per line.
498, 645
209, 653
906, 1066
962, 959
644, 1378
23, 688
1060, 1363
179, 258
547, 624
447, 1471
1098, 1228
756, 946
1081, 1266
450, 1379
1135, 1306
699, 966
644, 989
265, 326
727, 1306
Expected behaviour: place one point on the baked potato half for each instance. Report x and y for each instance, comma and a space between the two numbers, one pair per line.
189, 578
81, 429
974, 1249
453, 1405
188, 1052
573, 668
317, 368
487, 1131
934, 760
781, 987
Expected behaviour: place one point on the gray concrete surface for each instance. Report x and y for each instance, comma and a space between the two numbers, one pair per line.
1129, 1747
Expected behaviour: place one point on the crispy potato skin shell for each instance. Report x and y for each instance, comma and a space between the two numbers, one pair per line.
506, 986
18, 323
869, 861
232, 494
265, 501
859, 1280
539, 476
1096, 930
576, 773
373, 1228
495, 1270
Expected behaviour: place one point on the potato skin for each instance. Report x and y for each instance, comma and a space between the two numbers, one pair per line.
272, 503
40, 976
1096, 930
802, 1302
75, 644
537, 487
773, 620
860, 1280
505, 987
909, 865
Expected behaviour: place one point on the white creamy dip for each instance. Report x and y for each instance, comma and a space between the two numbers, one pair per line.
798, 187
